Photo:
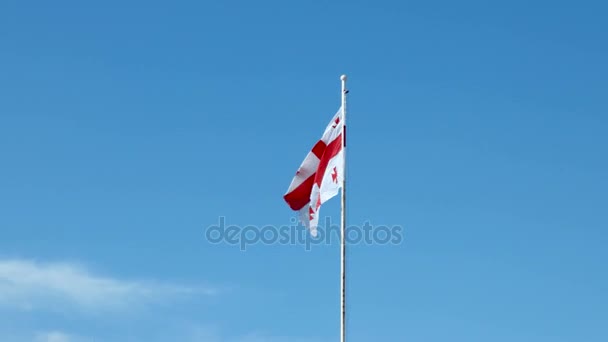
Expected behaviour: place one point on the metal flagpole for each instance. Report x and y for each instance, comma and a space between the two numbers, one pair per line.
343, 221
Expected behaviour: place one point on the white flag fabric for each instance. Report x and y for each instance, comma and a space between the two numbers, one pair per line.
320, 175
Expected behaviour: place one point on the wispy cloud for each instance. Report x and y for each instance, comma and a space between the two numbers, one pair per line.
210, 334
258, 337
53, 336
43, 336
201, 334
26, 284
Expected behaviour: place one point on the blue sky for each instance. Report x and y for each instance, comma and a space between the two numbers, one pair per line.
127, 128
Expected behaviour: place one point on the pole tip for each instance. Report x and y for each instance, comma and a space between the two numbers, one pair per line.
343, 77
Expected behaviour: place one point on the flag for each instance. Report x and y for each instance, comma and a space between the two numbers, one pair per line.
320, 176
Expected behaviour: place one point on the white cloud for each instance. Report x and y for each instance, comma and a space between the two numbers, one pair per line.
46, 336
257, 337
209, 334
29, 285
185, 333
189, 331
53, 336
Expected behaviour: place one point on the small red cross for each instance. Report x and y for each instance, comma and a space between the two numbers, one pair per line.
334, 175
337, 121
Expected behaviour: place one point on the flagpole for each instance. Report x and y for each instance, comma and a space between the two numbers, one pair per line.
343, 222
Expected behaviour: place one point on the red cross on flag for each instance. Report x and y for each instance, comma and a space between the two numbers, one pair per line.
320, 175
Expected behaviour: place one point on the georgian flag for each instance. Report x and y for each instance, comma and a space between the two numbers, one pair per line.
320, 175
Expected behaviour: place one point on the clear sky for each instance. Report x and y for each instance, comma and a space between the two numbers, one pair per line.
127, 128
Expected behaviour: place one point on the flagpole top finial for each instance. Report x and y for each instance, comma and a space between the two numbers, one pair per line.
343, 77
